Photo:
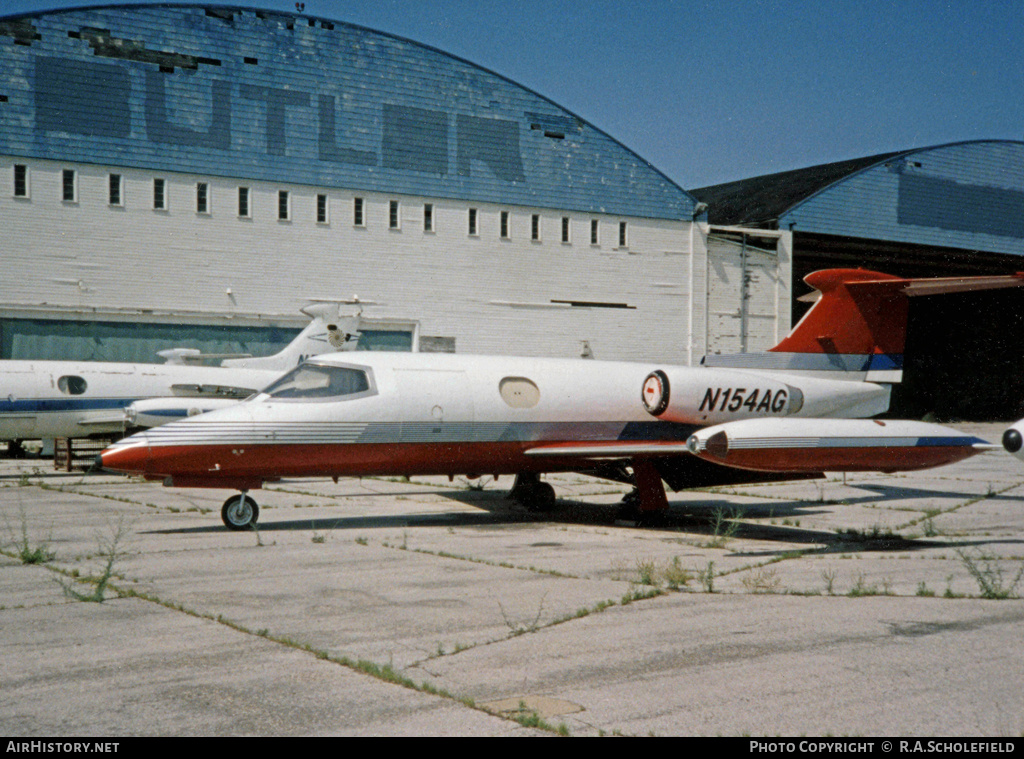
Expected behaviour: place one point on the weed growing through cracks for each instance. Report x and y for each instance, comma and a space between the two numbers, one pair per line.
646, 571
109, 549
27, 551
829, 576
675, 576
988, 574
724, 527
518, 629
762, 581
707, 577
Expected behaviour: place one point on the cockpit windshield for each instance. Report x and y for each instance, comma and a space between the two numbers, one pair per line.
319, 381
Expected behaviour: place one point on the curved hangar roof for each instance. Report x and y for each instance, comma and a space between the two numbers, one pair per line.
966, 195
289, 98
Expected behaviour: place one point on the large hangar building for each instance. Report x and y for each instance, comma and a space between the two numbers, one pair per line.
946, 210
187, 174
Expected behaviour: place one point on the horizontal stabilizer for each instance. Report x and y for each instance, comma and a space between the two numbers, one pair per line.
857, 326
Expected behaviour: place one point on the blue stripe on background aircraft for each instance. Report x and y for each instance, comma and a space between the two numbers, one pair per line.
798, 410
77, 399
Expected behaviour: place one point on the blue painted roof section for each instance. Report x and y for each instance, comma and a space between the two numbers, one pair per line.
967, 195
267, 95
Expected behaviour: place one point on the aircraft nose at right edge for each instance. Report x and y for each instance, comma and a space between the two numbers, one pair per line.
1013, 439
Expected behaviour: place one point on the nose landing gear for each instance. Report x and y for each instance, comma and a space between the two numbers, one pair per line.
240, 512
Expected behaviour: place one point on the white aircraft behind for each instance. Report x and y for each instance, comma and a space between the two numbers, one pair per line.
74, 399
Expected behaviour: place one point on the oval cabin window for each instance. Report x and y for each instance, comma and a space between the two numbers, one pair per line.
72, 385
519, 392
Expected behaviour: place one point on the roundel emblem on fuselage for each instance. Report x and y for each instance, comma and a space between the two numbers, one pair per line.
655, 392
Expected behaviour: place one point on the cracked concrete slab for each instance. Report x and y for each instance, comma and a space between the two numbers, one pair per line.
427, 607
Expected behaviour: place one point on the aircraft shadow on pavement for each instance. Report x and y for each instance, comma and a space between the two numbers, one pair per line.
712, 519
898, 492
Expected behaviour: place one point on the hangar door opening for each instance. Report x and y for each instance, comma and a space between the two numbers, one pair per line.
744, 288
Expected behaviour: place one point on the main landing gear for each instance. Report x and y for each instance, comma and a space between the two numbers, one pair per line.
647, 504
534, 495
240, 512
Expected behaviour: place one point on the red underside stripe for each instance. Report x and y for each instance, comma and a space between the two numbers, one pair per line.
872, 459
220, 464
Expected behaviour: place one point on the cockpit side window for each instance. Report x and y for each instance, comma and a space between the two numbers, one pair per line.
69, 384
321, 382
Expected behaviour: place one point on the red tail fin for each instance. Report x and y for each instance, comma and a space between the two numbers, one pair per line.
857, 329
857, 312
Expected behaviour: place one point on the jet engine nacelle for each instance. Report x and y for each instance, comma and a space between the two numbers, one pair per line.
152, 412
712, 396
1013, 439
833, 445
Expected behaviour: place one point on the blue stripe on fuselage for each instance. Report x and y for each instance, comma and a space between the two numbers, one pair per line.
53, 405
951, 442
657, 431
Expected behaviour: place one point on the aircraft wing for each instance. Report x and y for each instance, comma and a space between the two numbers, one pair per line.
212, 391
797, 446
671, 460
102, 420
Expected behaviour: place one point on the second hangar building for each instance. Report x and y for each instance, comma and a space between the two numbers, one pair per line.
189, 174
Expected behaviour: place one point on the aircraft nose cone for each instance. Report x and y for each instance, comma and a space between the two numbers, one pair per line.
1012, 440
130, 456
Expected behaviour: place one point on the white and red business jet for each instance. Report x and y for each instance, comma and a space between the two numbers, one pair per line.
797, 410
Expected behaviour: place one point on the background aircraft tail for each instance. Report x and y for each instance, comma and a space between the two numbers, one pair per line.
328, 332
857, 327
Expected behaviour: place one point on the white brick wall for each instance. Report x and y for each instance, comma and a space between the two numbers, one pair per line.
493, 295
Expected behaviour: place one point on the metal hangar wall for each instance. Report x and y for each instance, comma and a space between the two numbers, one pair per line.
946, 210
201, 171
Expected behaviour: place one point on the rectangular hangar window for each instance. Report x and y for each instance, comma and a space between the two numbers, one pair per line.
160, 194
321, 209
284, 205
244, 211
535, 227
623, 240
594, 240
358, 212
394, 220
505, 232
69, 186
428, 217
202, 197
20, 180
565, 229
114, 185
473, 227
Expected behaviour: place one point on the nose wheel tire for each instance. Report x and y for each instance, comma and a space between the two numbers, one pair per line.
240, 512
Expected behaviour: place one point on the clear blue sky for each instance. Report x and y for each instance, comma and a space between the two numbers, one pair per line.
715, 90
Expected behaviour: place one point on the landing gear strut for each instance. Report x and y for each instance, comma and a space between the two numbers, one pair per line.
532, 494
240, 512
647, 502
